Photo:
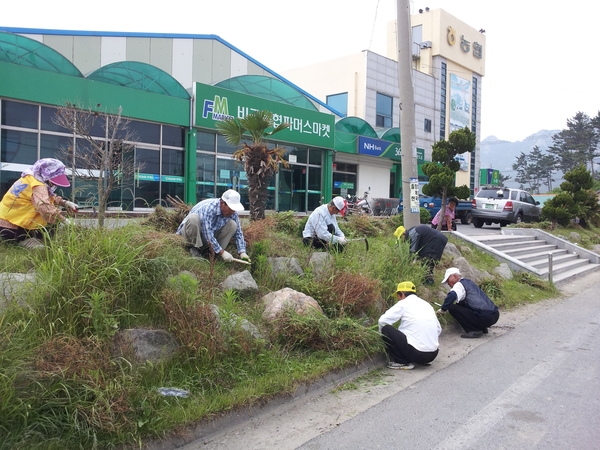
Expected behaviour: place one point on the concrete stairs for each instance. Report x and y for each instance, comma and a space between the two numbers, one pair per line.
549, 257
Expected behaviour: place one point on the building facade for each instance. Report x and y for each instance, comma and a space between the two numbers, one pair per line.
448, 67
343, 138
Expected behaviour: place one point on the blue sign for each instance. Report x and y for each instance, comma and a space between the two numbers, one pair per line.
379, 148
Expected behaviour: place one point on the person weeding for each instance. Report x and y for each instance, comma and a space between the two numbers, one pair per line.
31, 204
210, 225
425, 242
322, 230
469, 305
449, 216
416, 338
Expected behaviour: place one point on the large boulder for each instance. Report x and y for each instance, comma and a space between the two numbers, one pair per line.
145, 345
286, 298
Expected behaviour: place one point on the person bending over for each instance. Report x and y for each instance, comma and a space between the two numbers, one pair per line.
210, 225
469, 305
322, 230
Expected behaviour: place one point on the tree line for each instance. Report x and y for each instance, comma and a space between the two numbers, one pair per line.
575, 146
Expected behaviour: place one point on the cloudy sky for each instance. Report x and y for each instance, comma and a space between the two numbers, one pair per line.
541, 62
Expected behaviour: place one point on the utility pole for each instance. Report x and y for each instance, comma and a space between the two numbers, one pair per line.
407, 116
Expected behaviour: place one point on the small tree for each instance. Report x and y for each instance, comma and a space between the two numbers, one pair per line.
109, 159
260, 162
442, 170
576, 201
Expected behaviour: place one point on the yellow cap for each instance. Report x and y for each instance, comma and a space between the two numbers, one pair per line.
399, 231
406, 286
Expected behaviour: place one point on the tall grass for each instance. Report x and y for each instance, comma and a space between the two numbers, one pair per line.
62, 386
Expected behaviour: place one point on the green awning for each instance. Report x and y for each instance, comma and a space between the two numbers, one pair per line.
142, 76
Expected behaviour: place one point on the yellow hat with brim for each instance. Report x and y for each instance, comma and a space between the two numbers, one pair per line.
399, 231
406, 286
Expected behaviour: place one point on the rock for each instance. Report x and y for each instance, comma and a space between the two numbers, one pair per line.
278, 301
574, 237
242, 283
11, 284
451, 250
285, 266
146, 345
504, 271
320, 262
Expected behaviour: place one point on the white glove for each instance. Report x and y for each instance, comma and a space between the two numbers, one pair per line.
342, 241
227, 257
245, 257
71, 206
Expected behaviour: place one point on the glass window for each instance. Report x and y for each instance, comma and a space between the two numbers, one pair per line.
224, 147
148, 159
315, 156
205, 141
7, 179
143, 131
146, 194
384, 111
427, 126
53, 146
18, 114
48, 117
173, 136
300, 153
205, 176
173, 189
18, 147
231, 175
172, 162
339, 102
344, 179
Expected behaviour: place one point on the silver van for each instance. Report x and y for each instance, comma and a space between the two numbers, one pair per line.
503, 205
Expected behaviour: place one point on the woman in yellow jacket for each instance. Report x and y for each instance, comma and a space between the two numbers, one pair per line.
30, 204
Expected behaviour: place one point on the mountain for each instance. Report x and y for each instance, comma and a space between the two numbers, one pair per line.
501, 155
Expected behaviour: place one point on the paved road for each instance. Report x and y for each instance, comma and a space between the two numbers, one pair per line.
535, 387
533, 382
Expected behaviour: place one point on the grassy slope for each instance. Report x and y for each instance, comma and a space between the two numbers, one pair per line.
61, 384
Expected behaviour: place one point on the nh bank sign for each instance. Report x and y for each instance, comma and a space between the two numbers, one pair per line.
307, 127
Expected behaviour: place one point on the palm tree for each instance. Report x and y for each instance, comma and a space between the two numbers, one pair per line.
260, 162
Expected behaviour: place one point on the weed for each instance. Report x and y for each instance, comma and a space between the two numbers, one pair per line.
491, 287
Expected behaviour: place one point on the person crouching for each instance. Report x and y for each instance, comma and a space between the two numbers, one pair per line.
416, 338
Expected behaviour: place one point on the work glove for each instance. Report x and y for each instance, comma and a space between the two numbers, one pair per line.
71, 206
227, 257
342, 241
245, 256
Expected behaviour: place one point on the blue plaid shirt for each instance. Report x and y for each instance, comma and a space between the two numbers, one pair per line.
212, 220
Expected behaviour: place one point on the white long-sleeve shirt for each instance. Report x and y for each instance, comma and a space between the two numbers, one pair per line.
316, 225
418, 322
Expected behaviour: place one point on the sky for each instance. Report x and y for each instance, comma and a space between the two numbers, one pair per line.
541, 60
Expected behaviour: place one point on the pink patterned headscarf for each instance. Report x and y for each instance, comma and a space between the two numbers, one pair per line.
48, 169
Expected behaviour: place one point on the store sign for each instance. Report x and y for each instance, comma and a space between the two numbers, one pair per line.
307, 127
343, 185
465, 45
379, 148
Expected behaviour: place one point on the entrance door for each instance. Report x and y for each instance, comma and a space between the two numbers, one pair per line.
291, 189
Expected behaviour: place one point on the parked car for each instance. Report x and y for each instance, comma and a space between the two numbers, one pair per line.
503, 206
